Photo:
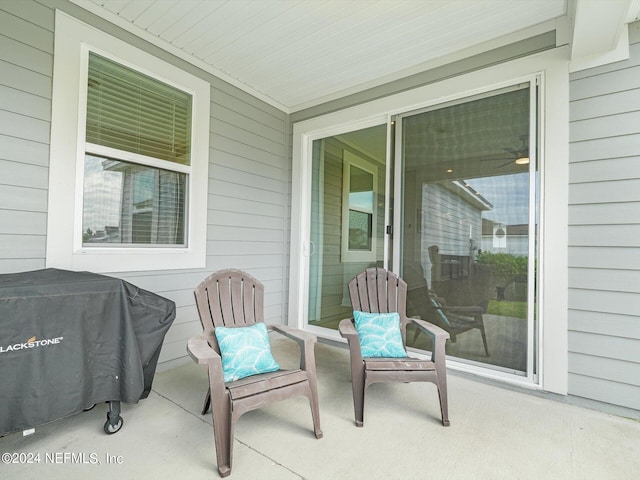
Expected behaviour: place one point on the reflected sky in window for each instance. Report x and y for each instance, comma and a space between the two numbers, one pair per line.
509, 195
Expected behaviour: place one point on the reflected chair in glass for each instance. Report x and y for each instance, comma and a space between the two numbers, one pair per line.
377, 290
232, 298
454, 319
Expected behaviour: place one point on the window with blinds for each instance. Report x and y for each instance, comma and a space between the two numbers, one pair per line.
129, 111
137, 158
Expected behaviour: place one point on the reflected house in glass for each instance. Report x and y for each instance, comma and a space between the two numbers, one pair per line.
496, 236
147, 203
451, 233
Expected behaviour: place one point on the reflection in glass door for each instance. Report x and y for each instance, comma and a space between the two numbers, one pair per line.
347, 218
469, 225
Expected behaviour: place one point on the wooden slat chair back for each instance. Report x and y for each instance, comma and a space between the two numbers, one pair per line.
380, 291
233, 298
229, 298
377, 290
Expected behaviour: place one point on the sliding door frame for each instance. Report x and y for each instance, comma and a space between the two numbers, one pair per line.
552, 69
536, 190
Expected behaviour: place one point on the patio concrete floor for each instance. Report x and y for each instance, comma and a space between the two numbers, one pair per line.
495, 433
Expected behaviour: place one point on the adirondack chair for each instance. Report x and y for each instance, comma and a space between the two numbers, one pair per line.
232, 298
377, 290
424, 303
455, 319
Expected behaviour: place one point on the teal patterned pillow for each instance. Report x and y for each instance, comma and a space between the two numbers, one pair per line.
379, 334
245, 351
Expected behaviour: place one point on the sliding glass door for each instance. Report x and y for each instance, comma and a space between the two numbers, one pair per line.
467, 240
465, 233
348, 194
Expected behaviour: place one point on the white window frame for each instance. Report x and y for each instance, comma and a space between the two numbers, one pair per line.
73, 42
347, 255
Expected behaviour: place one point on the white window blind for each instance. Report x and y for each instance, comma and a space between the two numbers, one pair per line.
130, 111
126, 203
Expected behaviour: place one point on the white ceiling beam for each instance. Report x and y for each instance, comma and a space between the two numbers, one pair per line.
600, 33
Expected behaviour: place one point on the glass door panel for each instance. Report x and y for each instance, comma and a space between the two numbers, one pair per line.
347, 218
468, 226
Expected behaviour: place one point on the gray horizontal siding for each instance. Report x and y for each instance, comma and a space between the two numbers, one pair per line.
20, 150
604, 228
26, 62
621, 258
27, 104
249, 171
622, 303
607, 346
614, 148
17, 198
604, 323
605, 214
604, 390
624, 235
606, 280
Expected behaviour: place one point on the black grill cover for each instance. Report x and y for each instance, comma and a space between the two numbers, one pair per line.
69, 340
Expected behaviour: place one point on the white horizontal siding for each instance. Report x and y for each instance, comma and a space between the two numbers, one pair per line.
248, 185
604, 228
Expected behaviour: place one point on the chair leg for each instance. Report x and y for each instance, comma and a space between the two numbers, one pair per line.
207, 402
315, 408
223, 433
415, 336
442, 395
484, 338
357, 383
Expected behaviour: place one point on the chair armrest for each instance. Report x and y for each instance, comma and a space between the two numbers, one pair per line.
306, 341
471, 310
296, 334
433, 330
437, 334
200, 351
348, 330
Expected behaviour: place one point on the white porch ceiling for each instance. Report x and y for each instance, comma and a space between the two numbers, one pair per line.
298, 53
